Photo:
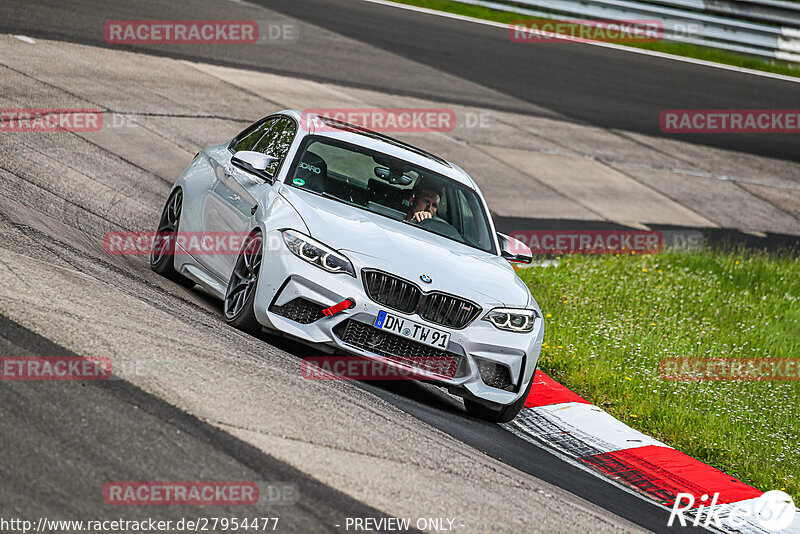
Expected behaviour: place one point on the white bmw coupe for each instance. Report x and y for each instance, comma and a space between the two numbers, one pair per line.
357, 243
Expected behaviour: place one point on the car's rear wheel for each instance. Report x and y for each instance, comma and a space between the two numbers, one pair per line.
241, 292
499, 413
162, 257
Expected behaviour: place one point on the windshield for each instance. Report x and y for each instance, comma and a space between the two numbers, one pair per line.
392, 188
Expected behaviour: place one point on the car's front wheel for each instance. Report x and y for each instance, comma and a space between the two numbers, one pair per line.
241, 292
162, 257
499, 413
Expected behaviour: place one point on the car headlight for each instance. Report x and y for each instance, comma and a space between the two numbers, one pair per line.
317, 254
512, 320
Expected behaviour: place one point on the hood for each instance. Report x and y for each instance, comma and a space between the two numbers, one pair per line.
374, 241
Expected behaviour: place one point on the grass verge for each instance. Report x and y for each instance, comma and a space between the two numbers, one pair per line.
610, 319
679, 49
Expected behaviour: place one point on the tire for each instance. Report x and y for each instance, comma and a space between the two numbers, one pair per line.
502, 414
241, 291
162, 257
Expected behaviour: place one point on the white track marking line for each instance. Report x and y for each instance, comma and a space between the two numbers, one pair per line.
613, 46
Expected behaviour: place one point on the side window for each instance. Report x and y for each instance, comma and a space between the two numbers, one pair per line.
276, 142
247, 140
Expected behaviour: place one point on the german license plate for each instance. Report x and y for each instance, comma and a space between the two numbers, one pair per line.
405, 328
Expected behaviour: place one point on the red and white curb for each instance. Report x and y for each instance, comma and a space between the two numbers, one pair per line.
577, 430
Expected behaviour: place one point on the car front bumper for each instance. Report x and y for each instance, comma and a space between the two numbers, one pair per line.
285, 277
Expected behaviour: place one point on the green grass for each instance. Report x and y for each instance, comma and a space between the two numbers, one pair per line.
610, 319
680, 49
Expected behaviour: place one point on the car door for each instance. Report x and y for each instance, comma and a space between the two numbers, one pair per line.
232, 201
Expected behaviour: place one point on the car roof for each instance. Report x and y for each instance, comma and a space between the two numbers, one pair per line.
312, 123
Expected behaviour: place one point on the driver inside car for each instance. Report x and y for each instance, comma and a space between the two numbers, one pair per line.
424, 203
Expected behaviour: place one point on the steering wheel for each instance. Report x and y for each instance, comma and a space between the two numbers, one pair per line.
438, 226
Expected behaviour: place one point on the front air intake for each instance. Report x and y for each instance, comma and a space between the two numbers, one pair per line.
400, 349
299, 310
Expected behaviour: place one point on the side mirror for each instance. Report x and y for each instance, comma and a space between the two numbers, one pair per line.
254, 162
514, 250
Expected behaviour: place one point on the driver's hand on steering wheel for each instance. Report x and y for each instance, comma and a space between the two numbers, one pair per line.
420, 216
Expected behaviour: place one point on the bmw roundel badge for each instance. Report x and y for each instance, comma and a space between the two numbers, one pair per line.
425, 278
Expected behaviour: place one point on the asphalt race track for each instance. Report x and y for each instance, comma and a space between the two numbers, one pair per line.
197, 400
603, 87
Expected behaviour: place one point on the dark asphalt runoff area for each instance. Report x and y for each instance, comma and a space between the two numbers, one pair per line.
61, 442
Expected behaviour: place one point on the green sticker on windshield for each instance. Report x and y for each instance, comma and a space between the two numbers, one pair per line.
299, 182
